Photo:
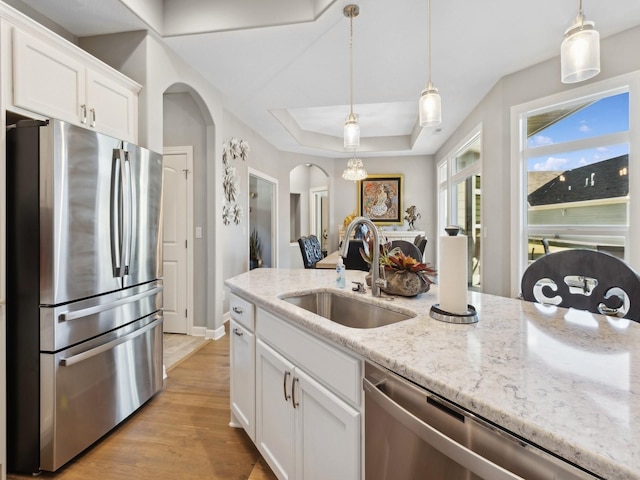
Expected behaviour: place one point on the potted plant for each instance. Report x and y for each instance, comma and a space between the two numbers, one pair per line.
255, 250
404, 274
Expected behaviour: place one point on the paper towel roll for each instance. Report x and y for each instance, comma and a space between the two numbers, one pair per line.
452, 274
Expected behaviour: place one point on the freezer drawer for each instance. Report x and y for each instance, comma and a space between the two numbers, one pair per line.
88, 389
72, 323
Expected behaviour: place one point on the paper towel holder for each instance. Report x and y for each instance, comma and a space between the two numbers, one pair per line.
469, 316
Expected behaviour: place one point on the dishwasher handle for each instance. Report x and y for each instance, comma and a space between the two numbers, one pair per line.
447, 446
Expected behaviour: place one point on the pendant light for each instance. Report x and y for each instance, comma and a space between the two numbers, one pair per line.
355, 170
351, 127
430, 105
580, 50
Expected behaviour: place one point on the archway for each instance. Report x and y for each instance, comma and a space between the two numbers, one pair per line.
187, 123
309, 194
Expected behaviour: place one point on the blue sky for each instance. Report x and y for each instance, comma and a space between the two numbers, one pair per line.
608, 115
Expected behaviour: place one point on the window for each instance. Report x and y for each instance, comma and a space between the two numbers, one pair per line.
459, 199
574, 174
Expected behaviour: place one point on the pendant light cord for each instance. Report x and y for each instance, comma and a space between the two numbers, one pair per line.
429, 41
351, 63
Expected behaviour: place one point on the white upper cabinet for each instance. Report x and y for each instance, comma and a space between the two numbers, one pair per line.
52, 80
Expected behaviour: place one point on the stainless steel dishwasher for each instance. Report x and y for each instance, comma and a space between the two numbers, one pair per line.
411, 433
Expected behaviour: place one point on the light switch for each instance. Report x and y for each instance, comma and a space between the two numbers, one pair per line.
198, 232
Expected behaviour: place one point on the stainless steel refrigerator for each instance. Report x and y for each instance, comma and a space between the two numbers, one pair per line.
84, 288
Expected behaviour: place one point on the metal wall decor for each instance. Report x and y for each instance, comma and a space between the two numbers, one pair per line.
231, 211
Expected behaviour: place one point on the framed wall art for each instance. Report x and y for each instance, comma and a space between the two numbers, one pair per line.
380, 198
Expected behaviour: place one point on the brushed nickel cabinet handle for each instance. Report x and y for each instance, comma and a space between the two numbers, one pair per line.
293, 392
83, 108
286, 396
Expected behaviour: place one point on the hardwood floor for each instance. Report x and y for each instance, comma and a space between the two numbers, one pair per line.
180, 434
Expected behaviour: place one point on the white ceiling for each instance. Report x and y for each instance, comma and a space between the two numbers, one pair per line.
283, 65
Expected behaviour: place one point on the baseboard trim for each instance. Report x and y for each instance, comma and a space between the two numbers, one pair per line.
199, 331
216, 334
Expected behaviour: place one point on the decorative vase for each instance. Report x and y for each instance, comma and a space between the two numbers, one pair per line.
255, 263
405, 283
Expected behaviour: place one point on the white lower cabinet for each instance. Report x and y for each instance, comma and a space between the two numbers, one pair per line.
303, 430
243, 354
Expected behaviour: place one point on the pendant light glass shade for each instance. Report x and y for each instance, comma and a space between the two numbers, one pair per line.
351, 131
430, 104
580, 51
430, 107
355, 170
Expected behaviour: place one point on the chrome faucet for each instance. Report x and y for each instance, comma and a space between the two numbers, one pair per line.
376, 281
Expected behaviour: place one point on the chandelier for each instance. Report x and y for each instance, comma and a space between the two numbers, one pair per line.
351, 127
355, 170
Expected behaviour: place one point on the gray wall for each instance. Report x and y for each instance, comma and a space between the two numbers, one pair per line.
419, 190
143, 58
618, 56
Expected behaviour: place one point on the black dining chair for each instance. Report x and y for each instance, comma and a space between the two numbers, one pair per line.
353, 260
407, 248
586, 280
311, 251
421, 242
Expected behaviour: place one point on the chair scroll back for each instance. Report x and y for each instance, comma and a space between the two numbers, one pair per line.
586, 280
311, 250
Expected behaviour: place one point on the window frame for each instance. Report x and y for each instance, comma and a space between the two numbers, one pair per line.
446, 187
520, 230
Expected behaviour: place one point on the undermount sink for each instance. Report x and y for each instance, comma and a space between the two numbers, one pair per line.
346, 310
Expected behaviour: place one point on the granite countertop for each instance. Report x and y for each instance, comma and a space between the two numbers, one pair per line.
566, 380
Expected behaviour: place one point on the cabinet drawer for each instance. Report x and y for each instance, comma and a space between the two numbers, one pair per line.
332, 367
242, 311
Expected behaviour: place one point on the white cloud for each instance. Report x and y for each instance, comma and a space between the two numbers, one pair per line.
551, 164
584, 128
539, 140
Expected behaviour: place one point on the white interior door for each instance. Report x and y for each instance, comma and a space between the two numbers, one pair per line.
176, 186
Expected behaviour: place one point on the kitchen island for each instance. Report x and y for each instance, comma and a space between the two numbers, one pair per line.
565, 380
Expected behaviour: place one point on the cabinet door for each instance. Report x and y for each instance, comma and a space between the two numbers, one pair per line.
111, 107
243, 381
47, 81
275, 415
327, 433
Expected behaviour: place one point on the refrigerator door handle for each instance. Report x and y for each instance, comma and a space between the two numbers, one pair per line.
121, 214
127, 220
74, 359
85, 312
116, 208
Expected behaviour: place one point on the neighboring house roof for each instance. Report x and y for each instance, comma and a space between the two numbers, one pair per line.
536, 179
591, 182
